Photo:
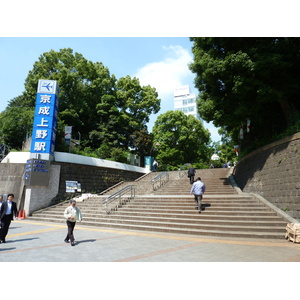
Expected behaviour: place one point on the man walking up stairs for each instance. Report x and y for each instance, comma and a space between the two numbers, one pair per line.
198, 189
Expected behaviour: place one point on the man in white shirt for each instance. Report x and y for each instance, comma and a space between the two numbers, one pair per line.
198, 189
72, 214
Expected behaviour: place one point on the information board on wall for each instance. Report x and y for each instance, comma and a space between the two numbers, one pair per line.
37, 172
73, 186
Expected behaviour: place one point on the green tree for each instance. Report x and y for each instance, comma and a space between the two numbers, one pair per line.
16, 123
82, 85
241, 78
125, 113
136, 104
105, 111
142, 143
181, 139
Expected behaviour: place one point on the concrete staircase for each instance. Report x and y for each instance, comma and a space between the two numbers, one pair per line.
227, 212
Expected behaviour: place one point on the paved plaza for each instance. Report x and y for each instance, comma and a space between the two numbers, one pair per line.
236, 269
31, 241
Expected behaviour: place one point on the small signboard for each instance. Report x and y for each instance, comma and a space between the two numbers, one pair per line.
73, 186
148, 162
68, 134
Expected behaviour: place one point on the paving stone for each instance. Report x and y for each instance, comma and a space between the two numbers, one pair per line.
31, 241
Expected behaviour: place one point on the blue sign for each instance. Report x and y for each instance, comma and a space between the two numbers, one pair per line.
148, 162
45, 117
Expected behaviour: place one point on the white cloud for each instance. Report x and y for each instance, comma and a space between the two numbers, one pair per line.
169, 73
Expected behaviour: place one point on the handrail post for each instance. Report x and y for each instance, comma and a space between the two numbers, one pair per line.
132, 190
161, 179
118, 197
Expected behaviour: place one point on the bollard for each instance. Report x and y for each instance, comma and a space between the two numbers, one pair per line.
20, 215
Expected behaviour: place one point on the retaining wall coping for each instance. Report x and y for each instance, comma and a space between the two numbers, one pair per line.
22, 157
288, 139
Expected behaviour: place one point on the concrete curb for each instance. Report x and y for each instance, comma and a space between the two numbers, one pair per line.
234, 184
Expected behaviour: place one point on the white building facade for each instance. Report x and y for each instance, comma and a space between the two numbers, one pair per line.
185, 101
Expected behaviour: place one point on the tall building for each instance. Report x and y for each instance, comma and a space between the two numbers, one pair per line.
185, 101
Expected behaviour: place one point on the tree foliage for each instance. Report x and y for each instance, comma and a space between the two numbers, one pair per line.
142, 142
180, 139
104, 111
241, 78
16, 124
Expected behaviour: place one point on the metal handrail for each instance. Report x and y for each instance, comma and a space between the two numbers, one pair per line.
161, 179
118, 197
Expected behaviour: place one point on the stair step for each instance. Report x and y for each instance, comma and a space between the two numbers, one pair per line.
212, 212
175, 217
197, 218
195, 215
202, 221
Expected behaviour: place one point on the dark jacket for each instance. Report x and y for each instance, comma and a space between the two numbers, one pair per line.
14, 211
191, 172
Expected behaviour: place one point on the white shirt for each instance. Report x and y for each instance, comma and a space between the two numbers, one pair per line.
198, 188
9, 204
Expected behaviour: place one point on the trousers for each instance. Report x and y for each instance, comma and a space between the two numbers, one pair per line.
198, 199
70, 235
5, 223
192, 179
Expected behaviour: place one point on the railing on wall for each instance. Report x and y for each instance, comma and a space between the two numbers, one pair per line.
119, 198
160, 180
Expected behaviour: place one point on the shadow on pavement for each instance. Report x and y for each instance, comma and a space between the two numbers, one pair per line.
7, 249
85, 241
20, 240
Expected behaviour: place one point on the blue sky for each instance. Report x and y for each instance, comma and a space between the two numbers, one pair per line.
161, 62
149, 41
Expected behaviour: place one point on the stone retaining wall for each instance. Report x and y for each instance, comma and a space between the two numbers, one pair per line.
273, 172
92, 179
11, 180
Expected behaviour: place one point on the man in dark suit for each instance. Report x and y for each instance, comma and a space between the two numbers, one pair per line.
7, 213
191, 174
